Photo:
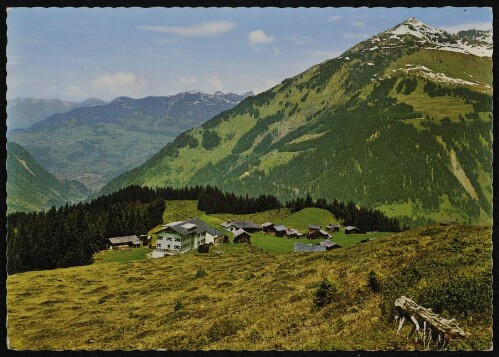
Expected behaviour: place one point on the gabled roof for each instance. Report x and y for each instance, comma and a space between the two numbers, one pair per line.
126, 239
324, 233
292, 231
267, 224
328, 243
349, 228
336, 225
302, 247
280, 228
188, 226
239, 232
313, 226
195, 226
226, 224
172, 224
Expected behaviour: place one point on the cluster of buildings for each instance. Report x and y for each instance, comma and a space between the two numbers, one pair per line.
183, 236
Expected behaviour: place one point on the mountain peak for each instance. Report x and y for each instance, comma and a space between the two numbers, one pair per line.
415, 33
194, 91
413, 20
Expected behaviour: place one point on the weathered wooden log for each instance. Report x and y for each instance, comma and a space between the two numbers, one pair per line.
445, 329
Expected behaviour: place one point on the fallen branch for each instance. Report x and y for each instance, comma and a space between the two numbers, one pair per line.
433, 324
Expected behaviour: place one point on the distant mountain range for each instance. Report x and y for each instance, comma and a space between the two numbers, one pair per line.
24, 112
401, 122
31, 188
93, 144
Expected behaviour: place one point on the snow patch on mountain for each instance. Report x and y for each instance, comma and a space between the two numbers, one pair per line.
437, 77
474, 42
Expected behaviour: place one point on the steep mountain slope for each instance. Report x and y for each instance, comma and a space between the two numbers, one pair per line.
95, 144
401, 121
31, 188
24, 112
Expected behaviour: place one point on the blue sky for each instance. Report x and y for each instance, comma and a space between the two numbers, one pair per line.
74, 54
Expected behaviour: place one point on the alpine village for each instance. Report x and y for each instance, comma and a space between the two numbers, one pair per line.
346, 208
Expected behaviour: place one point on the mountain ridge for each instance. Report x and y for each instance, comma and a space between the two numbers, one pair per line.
24, 112
322, 131
95, 144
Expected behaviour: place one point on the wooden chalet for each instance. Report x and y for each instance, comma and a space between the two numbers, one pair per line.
245, 224
267, 226
293, 233
319, 234
129, 241
352, 230
329, 244
278, 231
333, 227
241, 236
313, 228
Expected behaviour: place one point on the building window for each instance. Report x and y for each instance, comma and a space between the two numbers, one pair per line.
158, 245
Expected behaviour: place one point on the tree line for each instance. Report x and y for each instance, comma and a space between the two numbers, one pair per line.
213, 200
365, 219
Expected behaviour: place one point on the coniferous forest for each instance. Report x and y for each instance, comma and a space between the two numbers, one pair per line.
70, 235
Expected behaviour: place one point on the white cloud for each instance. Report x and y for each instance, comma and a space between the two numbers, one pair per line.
199, 30
120, 83
277, 51
355, 36
187, 80
258, 37
468, 26
334, 18
358, 24
216, 82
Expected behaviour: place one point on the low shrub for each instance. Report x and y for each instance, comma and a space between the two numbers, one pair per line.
178, 306
325, 293
200, 273
373, 281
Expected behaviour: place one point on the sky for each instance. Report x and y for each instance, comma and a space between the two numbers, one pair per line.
74, 54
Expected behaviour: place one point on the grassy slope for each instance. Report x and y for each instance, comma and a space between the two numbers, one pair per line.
117, 256
248, 300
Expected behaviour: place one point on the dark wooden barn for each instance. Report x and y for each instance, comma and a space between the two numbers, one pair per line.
241, 236
352, 230
333, 227
204, 248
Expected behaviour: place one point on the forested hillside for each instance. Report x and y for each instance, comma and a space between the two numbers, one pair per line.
401, 122
31, 188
